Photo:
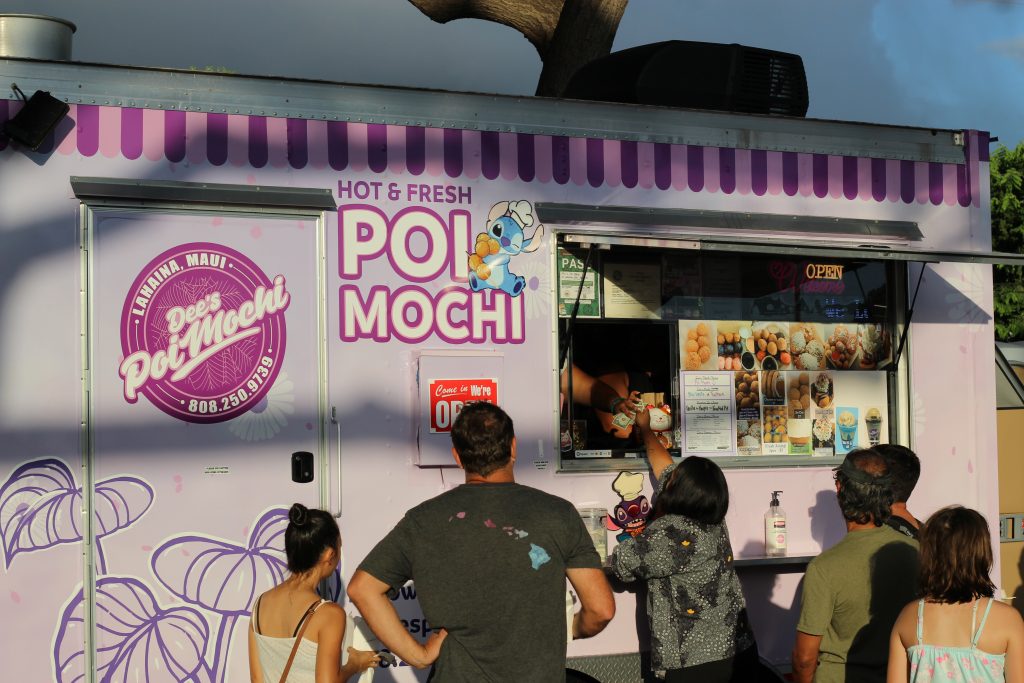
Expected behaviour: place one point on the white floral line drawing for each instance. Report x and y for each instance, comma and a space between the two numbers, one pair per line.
40, 507
265, 419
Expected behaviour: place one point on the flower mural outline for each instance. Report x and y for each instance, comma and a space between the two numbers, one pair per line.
41, 503
223, 577
137, 636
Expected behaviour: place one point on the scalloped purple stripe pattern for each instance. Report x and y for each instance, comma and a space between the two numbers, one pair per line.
451, 153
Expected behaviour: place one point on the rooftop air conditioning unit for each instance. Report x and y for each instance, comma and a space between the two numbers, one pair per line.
680, 73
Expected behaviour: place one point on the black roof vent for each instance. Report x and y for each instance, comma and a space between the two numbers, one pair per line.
680, 73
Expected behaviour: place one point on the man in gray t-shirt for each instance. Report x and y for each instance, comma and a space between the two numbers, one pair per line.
489, 560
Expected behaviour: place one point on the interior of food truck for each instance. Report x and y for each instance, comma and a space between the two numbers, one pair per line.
805, 344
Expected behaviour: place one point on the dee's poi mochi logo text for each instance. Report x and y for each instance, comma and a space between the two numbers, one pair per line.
203, 333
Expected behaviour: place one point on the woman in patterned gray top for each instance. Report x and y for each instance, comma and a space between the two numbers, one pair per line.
698, 618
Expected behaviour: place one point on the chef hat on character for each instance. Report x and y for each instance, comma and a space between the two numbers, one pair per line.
629, 485
522, 211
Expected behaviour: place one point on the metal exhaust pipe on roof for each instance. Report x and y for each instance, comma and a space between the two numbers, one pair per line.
34, 36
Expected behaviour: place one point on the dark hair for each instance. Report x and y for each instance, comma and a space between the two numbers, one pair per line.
904, 467
956, 556
482, 436
865, 488
309, 534
696, 488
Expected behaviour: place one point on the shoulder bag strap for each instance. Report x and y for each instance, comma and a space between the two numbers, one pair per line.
256, 615
298, 639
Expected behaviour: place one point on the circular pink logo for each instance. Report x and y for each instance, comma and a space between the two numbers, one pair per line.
203, 333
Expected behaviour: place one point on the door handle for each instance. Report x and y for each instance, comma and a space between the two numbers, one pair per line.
337, 438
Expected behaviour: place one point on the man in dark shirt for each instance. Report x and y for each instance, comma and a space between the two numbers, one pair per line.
904, 469
490, 560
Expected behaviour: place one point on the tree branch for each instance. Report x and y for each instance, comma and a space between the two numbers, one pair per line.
566, 33
535, 19
585, 31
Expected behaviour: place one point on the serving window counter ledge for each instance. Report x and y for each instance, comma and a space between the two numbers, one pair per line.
234, 293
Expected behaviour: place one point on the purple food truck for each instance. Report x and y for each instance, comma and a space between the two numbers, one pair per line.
222, 294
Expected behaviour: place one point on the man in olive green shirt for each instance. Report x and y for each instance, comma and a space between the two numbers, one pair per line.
854, 591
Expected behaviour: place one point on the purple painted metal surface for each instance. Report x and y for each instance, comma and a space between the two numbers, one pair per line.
561, 160
298, 152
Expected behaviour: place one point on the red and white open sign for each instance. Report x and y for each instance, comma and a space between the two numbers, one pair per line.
447, 396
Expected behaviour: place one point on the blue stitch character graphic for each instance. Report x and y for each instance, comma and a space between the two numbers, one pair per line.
630, 515
505, 237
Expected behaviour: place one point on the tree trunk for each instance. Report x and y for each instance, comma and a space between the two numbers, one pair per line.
585, 31
566, 33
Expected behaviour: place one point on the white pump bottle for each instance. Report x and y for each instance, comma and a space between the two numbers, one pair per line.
775, 536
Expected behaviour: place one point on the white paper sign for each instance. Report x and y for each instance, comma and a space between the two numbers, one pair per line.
632, 290
709, 416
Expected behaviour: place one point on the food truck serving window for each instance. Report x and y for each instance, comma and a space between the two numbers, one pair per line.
752, 358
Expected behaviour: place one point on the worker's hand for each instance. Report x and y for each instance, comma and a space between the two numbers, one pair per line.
628, 406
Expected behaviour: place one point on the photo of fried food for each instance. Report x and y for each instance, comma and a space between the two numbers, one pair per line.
799, 395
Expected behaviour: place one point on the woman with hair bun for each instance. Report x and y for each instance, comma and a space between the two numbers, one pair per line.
956, 631
296, 636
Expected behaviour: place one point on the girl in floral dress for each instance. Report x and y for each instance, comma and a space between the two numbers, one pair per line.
956, 631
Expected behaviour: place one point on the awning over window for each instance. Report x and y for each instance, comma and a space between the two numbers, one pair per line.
783, 235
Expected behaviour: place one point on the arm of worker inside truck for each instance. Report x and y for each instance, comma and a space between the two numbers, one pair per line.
591, 391
369, 595
596, 600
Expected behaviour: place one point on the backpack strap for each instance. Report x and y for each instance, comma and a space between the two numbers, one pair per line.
299, 630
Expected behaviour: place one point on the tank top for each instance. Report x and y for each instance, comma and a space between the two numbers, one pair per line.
273, 652
940, 663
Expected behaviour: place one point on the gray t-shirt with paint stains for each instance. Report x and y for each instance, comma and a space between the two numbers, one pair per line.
489, 562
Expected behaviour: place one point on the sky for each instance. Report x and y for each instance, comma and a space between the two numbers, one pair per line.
928, 63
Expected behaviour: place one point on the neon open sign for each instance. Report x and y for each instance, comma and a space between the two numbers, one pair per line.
823, 271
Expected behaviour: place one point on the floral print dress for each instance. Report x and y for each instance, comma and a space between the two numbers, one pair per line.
694, 601
954, 664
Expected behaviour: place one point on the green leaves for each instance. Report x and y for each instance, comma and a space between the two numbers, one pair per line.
1007, 182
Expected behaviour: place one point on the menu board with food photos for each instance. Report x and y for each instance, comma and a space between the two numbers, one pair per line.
774, 345
799, 388
820, 413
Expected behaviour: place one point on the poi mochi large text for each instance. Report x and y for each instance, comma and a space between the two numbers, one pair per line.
409, 312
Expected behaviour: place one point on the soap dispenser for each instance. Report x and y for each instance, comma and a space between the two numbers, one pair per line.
775, 528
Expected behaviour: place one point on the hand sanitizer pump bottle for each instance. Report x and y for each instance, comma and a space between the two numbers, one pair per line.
775, 528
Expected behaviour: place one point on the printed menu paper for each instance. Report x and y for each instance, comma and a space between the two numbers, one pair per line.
708, 413
632, 290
